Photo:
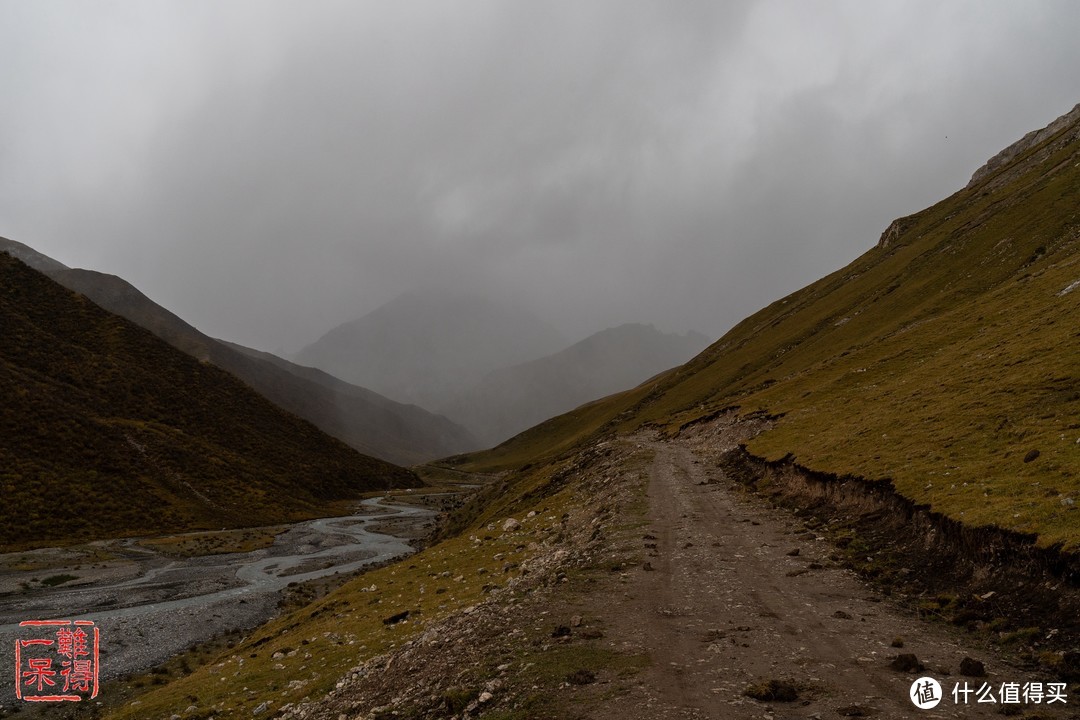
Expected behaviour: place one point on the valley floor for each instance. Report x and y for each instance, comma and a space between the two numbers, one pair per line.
151, 605
636, 581
666, 592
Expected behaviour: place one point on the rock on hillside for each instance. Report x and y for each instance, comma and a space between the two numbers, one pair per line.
1033, 138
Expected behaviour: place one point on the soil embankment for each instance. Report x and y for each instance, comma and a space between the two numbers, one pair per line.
738, 594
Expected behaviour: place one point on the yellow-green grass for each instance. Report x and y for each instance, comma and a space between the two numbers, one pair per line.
69, 557
553, 437
215, 542
336, 633
346, 627
952, 421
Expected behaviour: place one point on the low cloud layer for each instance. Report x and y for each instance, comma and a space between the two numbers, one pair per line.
270, 169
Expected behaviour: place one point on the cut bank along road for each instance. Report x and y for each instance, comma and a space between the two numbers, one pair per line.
728, 603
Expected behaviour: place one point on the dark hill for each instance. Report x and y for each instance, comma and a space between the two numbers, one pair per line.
105, 430
370, 423
379, 426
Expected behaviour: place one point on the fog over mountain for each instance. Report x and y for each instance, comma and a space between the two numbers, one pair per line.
426, 347
512, 399
269, 170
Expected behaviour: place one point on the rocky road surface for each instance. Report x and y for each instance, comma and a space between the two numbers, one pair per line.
677, 614
735, 593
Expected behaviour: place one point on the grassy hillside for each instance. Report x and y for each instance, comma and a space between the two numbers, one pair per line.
946, 358
106, 430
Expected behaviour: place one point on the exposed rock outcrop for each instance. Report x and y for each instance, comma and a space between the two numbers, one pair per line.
1025, 143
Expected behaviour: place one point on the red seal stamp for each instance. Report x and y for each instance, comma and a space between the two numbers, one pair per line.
57, 661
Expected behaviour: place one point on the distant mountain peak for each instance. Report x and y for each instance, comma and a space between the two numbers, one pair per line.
426, 345
511, 399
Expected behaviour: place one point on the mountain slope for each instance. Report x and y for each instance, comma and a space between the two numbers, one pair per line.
424, 348
370, 423
946, 358
400, 433
512, 399
106, 430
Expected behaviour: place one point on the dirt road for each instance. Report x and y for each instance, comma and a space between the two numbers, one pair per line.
671, 615
735, 593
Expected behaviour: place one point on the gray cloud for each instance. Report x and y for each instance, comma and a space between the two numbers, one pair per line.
268, 170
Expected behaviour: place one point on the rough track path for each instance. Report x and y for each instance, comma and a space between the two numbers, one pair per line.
728, 604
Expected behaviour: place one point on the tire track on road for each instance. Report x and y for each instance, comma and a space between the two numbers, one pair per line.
729, 602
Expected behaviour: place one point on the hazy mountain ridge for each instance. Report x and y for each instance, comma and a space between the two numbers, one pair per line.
107, 430
370, 423
399, 432
510, 400
424, 347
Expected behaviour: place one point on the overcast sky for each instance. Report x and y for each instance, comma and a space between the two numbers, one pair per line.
270, 169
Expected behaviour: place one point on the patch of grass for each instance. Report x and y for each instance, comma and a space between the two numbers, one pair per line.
214, 542
456, 699
54, 580
1023, 636
556, 664
773, 691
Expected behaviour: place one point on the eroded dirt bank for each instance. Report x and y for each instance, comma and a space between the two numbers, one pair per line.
743, 593
983, 579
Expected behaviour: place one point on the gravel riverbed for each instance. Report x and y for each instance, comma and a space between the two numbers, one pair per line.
149, 607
